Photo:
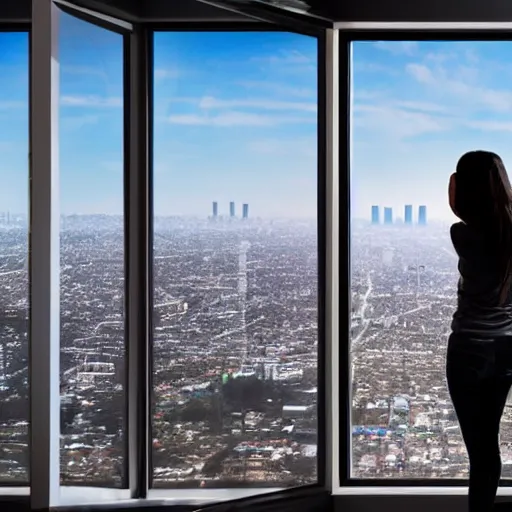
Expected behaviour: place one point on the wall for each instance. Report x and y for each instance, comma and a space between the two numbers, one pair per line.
186, 10
430, 10
15, 10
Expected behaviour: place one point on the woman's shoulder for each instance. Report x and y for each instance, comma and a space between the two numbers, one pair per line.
464, 238
459, 230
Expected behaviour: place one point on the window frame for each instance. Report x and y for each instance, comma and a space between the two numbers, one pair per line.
319, 35
22, 488
351, 32
46, 490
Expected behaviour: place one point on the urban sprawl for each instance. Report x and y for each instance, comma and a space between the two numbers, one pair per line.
235, 344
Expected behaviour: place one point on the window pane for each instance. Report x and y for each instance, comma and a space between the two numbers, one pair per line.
417, 107
14, 115
235, 260
92, 255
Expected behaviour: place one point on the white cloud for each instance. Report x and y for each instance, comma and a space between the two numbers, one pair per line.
209, 102
91, 101
233, 118
71, 123
286, 57
163, 74
278, 88
461, 85
421, 73
305, 147
395, 122
440, 57
361, 66
398, 47
420, 105
85, 70
492, 126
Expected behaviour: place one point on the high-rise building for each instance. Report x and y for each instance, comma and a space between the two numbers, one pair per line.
408, 214
422, 215
215, 209
375, 215
388, 215
232, 209
245, 211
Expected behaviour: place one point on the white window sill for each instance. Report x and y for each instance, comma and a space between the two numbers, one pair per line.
14, 491
70, 496
395, 490
205, 496
75, 496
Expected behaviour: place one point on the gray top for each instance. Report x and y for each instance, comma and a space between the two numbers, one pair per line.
478, 306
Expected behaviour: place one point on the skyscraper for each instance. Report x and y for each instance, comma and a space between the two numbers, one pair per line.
408, 214
245, 211
422, 215
232, 209
215, 209
375, 215
388, 215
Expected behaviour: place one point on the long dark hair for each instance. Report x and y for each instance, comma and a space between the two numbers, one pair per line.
483, 200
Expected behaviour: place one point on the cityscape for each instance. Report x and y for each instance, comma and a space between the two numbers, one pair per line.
403, 298
235, 353
235, 323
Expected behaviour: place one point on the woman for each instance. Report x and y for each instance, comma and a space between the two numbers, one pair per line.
479, 358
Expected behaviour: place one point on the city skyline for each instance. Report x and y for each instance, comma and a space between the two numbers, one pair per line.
409, 217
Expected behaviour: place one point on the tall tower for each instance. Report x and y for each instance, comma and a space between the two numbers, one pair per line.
375, 215
408, 214
422, 215
232, 209
215, 210
388, 215
245, 211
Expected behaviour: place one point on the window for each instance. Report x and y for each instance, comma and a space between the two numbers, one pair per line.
235, 260
14, 405
417, 106
92, 255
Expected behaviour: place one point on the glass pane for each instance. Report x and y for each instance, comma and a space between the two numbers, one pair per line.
417, 107
92, 255
14, 130
235, 260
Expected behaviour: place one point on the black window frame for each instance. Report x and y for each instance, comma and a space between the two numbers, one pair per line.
252, 26
347, 37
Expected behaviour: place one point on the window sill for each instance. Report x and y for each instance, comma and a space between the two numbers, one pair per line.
206, 496
15, 492
396, 491
76, 496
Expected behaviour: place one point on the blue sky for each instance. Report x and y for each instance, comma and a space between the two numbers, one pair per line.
416, 108
235, 119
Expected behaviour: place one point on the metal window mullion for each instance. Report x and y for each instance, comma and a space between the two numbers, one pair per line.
137, 233
332, 115
44, 258
342, 362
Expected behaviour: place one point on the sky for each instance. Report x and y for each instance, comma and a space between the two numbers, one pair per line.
235, 120
417, 107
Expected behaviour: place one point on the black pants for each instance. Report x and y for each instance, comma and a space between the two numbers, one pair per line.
479, 374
